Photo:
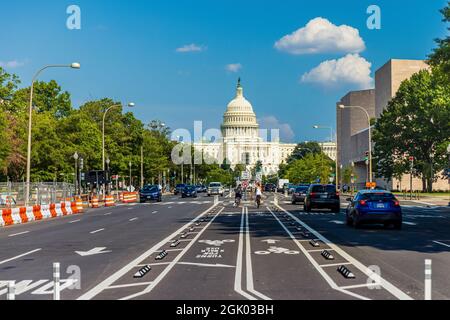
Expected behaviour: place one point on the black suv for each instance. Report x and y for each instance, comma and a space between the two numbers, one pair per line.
321, 196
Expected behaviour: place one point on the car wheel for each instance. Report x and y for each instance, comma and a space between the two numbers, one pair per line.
398, 226
306, 208
349, 221
356, 223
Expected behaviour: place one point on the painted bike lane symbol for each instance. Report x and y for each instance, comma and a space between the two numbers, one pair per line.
277, 250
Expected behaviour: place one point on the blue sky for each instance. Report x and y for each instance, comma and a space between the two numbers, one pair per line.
128, 51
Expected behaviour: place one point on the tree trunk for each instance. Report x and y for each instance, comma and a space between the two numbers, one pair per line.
424, 184
430, 185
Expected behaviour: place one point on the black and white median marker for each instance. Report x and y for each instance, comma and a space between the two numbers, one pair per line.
11, 295
314, 243
292, 223
327, 255
175, 243
142, 272
56, 281
183, 235
428, 273
197, 224
162, 255
299, 229
346, 272
191, 229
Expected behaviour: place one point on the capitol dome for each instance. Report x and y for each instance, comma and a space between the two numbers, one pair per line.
239, 121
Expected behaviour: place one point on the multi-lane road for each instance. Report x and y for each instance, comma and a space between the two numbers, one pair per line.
225, 253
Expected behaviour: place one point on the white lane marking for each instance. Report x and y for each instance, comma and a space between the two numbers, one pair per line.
327, 278
238, 274
383, 282
334, 264
250, 284
92, 252
19, 256
129, 285
169, 207
18, 234
130, 208
75, 221
127, 268
337, 222
133, 219
409, 223
173, 263
97, 231
108, 214
438, 242
356, 286
217, 265
154, 212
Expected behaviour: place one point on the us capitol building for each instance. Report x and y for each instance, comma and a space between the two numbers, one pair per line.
243, 142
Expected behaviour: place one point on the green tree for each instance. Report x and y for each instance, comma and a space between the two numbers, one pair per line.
415, 123
309, 169
303, 149
441, 55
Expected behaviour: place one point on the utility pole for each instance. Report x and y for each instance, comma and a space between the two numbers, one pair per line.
411, 159
142, 167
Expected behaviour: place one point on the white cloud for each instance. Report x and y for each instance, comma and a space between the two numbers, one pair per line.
233, 67
271, 122
351, 69
12, 64
321, 36
191, 48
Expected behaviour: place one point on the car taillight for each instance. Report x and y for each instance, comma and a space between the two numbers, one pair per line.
337, 194
396, 203
363, 202
312, 194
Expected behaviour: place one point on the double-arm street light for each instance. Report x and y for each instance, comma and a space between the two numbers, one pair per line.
341, 106
335, 140
74, 65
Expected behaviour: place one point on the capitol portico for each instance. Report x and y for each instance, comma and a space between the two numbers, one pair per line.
243, 142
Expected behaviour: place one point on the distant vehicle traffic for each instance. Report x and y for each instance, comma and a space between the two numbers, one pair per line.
215, 188
270, 187
374, 207
201, 188
321, 196
179, 188
150, 193
299, 194
281, 184
189, 192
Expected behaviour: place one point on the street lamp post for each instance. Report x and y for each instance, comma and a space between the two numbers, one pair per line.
448, 169
331, 139
107, 175
75, 177
74, 65
130, 164
341, 106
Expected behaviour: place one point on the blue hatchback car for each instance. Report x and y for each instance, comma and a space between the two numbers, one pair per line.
374, 207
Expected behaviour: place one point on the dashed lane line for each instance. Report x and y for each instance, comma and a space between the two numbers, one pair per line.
127, 268
18, 234
75, 221
399, 294
97, 231
442, 244
20, 256
133, 219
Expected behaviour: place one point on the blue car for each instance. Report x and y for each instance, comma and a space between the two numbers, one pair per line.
150, 193
189, 192
374, 207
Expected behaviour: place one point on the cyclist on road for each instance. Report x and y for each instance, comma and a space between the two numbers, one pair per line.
258, 195
238, 196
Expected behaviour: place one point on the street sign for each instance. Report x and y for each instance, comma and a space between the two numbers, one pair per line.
245, 175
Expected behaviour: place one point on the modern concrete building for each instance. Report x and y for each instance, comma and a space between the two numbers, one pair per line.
352, 126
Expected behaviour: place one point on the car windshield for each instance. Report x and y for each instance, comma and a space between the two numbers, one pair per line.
324, 189
189, 188
214, 185
150, 189
180, 185
381, 196
301, 189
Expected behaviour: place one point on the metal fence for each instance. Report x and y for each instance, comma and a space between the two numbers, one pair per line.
12, 194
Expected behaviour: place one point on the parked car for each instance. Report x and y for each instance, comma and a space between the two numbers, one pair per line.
201, 188
270, 187
376, 207
299, 194
215, 188
321, 196
150, 193
189, 192
179, 188
291, 189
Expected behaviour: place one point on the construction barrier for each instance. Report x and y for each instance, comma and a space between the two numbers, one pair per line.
129, 197
94, 202
109, 201
79, 205
121, 197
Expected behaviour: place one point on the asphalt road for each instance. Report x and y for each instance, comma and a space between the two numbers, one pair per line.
225, 253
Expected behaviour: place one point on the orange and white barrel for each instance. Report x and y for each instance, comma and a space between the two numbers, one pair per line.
94, 202
109, 201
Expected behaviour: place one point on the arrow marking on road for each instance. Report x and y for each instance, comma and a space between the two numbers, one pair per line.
92, 252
